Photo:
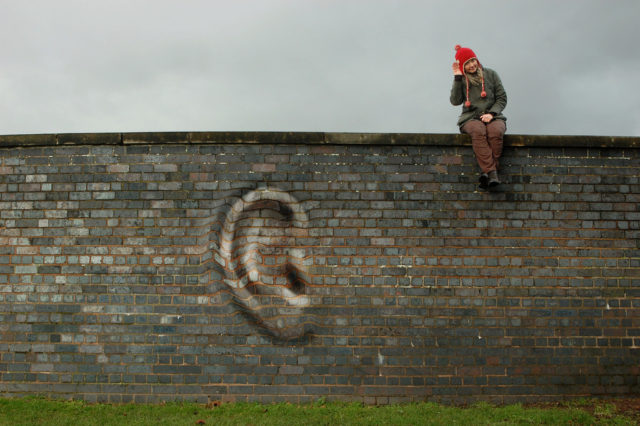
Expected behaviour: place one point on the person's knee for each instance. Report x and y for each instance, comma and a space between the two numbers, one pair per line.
475, 128
496, 129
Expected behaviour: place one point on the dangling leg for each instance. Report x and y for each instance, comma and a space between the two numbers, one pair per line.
484, 155
495, 135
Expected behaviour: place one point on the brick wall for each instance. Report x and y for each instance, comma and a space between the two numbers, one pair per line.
292, 266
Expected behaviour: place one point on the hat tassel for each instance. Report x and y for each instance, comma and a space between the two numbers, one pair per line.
468, 102
482, 94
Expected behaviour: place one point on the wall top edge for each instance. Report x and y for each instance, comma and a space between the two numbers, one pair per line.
310, 138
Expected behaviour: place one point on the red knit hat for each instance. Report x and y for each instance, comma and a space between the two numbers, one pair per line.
464, 54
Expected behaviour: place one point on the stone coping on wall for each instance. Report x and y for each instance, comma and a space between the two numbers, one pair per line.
311, 138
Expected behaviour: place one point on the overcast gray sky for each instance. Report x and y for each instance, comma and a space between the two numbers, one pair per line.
569, 67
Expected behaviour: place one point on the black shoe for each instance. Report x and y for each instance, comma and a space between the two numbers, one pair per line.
493, 178
484, 181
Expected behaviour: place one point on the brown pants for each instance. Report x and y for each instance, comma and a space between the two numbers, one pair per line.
487, 142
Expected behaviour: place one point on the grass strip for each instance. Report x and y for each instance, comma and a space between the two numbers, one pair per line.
41, 411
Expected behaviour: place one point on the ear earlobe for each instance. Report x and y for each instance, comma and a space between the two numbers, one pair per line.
265, 268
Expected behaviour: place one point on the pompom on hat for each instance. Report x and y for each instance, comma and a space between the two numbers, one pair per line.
463, 55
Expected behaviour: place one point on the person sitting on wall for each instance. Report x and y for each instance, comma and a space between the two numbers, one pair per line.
483, 99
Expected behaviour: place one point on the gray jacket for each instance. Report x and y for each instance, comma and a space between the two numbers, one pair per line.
494, 103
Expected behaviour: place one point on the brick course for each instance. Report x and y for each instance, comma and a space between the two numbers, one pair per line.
291, 266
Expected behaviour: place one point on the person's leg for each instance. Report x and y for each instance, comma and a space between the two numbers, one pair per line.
484, 155
495, 136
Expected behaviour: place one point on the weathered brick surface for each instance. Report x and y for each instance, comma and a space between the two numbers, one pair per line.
271, 267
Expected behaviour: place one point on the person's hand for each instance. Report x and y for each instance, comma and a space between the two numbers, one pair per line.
456, 68
486, 118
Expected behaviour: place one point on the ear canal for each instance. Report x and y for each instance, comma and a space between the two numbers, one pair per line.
274, 297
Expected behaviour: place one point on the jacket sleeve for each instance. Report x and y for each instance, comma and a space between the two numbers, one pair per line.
500, 96
457, 96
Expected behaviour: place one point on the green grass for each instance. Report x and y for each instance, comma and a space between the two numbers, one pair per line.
40, 411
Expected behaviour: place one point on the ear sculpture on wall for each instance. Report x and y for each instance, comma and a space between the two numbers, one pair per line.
265, 266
